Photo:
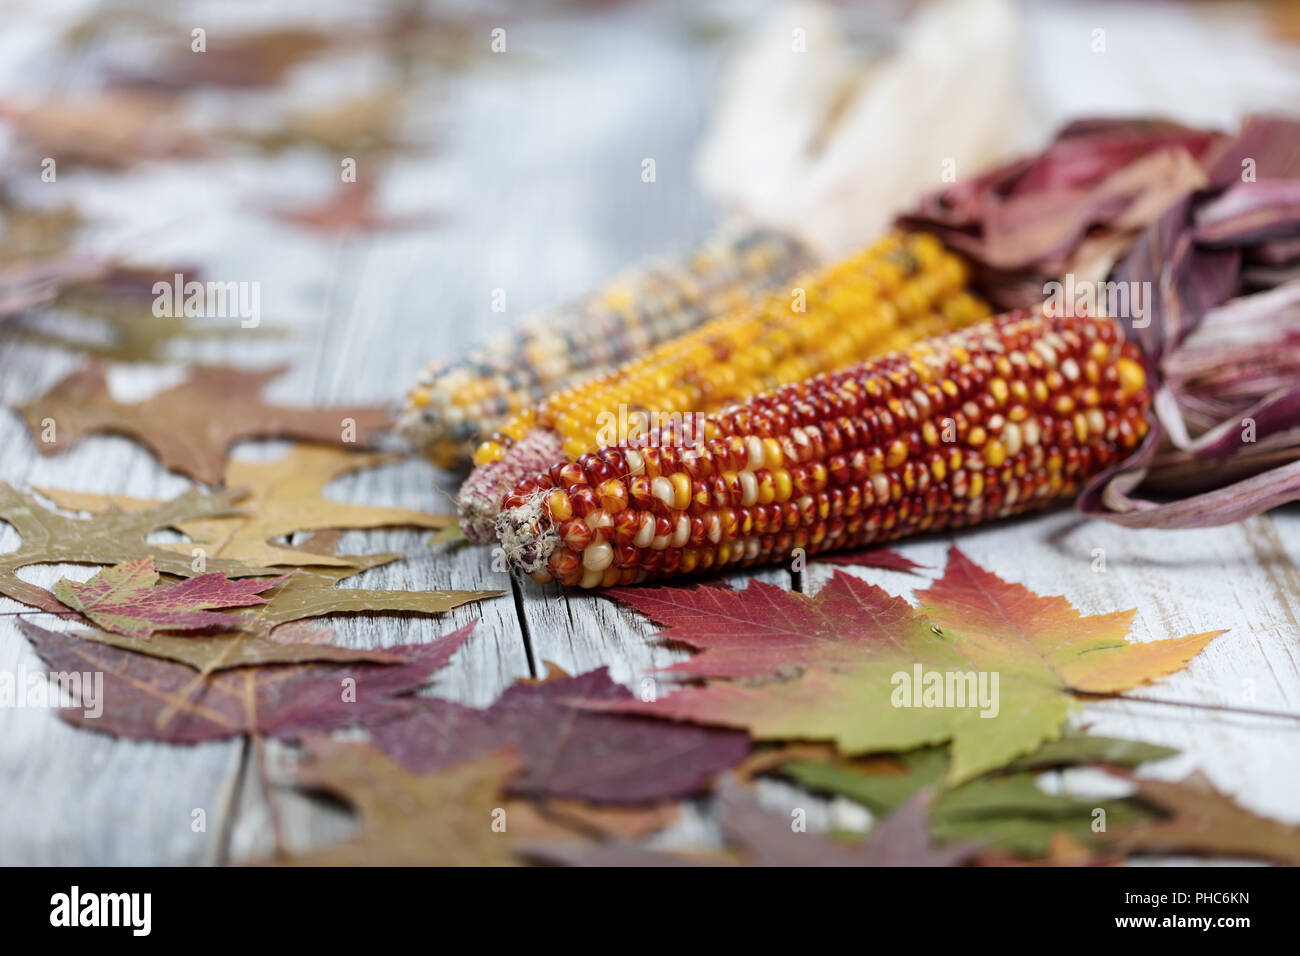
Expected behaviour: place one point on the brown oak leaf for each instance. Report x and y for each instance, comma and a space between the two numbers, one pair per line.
455, 817
245, 60
112, 537
190, 426
285, 495
1197, 818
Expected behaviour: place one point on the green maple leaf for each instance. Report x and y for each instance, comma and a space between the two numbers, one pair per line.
1008, 810
873, 674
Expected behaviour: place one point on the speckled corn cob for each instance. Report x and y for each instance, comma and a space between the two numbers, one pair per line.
894, 292
452, 406
1003, 417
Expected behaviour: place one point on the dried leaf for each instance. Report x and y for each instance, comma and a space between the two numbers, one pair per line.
153, 699
102, 24
883, 558
1009, 812
226, 651
34, 234
123, 328
110, 130
565, 752
1197, 818
312, 593
566, 819
614, 854
1039, 217
30, 285
351, 208
771, 757
1193, 258
452, 534
128, 599
448, 818
358, 127
869, 664
190, 426
112, 537
285, 495
551, 671
243, 60
768, 839
902, 839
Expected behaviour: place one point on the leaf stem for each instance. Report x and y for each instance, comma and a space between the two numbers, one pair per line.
1195, 705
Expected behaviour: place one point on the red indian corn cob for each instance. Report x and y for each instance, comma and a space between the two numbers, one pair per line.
999, 418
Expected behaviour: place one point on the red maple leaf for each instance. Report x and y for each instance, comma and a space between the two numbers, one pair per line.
128, 599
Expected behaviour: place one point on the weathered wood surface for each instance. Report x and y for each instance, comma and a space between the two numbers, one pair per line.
538, 177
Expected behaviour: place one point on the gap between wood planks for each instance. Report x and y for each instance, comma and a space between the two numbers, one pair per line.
517, 595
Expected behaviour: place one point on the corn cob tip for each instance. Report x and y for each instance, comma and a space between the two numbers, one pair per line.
420, 430
527, 534
479, 500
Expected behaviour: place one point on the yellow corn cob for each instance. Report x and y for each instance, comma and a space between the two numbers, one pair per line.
452, 406
999, 418
898, 290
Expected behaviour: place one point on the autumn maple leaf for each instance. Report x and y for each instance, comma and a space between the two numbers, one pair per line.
831, 667
564, 751
127, 599
147, 698
882, 558
1007, 810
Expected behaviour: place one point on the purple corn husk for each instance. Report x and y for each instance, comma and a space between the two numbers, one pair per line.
1226, 441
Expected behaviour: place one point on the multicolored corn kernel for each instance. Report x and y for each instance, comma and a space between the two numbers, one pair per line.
901, 289
452, 406
936, 436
